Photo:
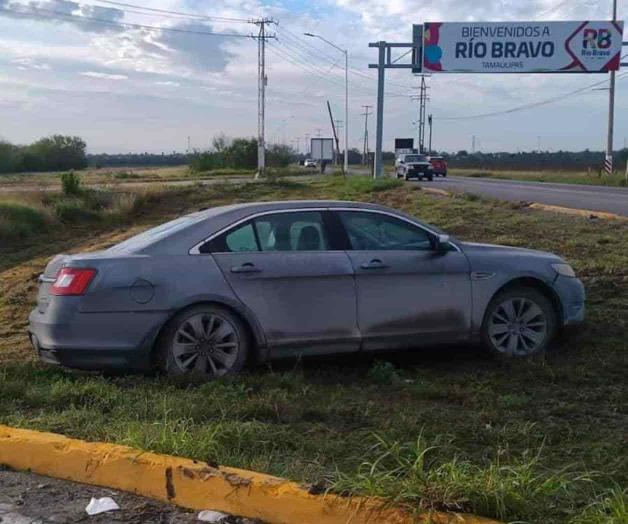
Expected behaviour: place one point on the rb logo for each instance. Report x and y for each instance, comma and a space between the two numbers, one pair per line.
596, 39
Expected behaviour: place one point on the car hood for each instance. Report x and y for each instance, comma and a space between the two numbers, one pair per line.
471, 248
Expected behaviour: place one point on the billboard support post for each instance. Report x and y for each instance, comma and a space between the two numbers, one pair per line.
385, 61
379, 132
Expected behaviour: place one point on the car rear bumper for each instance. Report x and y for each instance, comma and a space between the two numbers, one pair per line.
95, 341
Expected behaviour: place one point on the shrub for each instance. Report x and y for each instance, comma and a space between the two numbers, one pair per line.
74, 210
20, 220
71, 183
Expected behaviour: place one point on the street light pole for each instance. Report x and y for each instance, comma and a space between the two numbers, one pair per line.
346, 53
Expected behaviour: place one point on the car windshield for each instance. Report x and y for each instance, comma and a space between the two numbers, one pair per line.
416, 158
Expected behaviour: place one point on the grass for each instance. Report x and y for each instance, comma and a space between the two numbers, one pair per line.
450, 428
564, 177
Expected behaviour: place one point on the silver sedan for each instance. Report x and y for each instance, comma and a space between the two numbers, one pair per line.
206, 293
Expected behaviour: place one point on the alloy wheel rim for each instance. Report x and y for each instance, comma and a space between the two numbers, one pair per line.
517, 327
205, 343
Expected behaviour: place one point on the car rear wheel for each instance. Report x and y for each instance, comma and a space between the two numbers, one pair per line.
204, 342
519, 322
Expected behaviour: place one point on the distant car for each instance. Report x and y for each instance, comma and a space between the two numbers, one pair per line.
206, 293
414, 166
310, 163
439, 165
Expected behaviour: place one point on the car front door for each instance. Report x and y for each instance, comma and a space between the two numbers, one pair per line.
408, 293
283, 267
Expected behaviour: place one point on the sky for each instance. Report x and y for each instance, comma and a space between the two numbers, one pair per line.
131, 89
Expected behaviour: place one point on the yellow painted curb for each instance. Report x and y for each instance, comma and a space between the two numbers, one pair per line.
197, 485
579, 212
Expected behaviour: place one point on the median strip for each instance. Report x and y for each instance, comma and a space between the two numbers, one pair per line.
198, 485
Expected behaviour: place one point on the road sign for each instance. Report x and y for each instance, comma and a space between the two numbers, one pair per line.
322, 149
522, 47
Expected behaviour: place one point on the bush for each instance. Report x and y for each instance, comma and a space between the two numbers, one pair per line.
71, 184
20, 220
74, 210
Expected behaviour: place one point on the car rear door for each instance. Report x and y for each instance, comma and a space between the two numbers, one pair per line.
408, 294
283, 267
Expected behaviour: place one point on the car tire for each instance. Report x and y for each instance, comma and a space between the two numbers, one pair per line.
202, 343
405, 177
519, 322
431, 178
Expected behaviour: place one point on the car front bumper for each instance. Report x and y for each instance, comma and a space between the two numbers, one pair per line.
572, 296
94, 341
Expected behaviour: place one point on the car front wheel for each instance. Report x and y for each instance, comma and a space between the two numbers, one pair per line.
519, 322
204, 342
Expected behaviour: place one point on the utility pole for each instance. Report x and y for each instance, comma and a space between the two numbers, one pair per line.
307, 144
422, 98
608, 163
262, 81
298, 146
339, 126
365, 148
473, 144
188, 149
333, 128
429, 121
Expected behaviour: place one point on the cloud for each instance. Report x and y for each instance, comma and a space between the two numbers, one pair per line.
202, 52
89, 18
29, 63
168, 83
105, 76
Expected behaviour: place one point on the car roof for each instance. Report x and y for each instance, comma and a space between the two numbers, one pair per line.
178, 236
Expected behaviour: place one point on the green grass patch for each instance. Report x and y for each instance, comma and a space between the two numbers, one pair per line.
449, 428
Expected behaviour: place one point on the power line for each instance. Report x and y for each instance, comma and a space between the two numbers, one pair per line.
309, 53
310, 67
36, 12
528, 106
178, 13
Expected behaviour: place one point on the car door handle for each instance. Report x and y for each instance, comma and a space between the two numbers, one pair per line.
247, 267
374, 264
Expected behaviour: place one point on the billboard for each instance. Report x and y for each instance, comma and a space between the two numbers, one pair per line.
322, 148
522, 47
404, 145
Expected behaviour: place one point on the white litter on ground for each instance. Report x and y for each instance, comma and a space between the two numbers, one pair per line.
211, 516
102, 505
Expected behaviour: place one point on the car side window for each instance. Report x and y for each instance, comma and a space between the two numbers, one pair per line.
240, 239
298, 231
378, 232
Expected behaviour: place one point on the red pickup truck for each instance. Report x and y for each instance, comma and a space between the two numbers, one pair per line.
439, 165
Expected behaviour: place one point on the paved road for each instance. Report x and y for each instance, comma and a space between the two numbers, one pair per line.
26, 498
595, 198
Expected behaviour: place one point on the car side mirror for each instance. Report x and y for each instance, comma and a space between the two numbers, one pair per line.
442, 243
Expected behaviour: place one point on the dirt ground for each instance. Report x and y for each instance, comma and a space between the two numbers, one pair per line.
26, 498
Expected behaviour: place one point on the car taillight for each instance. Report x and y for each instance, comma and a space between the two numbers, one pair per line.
72, 281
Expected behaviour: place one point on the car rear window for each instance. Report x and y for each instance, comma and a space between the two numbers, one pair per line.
156, 233
416, 158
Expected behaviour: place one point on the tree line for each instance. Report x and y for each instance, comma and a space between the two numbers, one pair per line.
239, 153
54, 153
536, 160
